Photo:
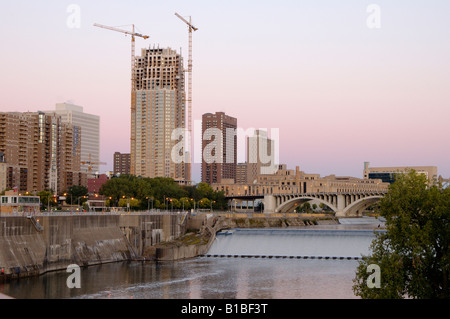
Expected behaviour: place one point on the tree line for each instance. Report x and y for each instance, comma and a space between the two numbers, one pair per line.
142, 193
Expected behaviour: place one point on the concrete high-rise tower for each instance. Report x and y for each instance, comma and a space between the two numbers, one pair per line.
90, 133
157, 109
259, 148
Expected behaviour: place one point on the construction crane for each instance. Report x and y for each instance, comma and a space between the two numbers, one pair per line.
133, 35
90, 164
189, 70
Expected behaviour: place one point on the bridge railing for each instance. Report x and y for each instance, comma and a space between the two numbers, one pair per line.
309, 194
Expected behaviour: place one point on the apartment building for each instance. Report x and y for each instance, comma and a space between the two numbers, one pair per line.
40, 151
260, 155
219, 161
122, 163
157, 109
89, 136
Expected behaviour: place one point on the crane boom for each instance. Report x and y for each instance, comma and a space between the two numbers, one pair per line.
188, 23
120, 30
133, 34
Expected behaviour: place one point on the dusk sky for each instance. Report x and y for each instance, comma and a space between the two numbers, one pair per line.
343, 81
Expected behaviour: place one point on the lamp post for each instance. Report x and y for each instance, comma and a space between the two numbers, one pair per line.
148, 203
211, 202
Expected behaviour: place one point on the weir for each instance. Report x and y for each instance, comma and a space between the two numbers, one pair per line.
292, 243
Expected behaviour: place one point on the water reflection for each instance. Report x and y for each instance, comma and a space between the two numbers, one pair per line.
203, 277
210, 278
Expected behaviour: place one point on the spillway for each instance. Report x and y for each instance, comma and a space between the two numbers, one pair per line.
292, 243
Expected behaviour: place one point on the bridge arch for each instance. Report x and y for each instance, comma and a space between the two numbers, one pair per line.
357, 207
290, 204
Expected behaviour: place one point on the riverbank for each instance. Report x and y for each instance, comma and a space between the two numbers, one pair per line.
33, 246
202, 230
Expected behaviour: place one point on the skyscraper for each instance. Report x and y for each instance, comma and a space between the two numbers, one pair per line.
90, 133
40, 151
157, 109
218, 166
260, 155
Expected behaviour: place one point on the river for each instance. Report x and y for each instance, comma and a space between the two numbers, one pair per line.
288, 275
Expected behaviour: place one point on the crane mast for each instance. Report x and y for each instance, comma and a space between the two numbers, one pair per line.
189, 70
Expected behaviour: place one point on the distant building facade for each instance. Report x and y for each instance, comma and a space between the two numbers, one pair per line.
94, 184
288, 181
3, 169
387, 174
213, 170
122, 162
241, 173
40, 152
260, 155
89, 134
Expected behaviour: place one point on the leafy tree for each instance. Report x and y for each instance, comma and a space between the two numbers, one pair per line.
186, 203
159, 189
204, 190
413, 254
75, 194
132, 202
204, 203
47, 199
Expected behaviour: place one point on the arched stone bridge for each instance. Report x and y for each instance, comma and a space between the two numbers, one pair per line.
343, 204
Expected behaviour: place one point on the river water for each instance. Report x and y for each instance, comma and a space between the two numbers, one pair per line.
285, 277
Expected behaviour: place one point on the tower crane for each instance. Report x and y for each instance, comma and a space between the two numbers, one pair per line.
133, 35
89, 163
189, 70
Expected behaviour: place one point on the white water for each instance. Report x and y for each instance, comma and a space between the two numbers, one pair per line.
294, 242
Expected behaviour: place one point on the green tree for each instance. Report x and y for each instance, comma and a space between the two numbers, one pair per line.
75, 193
186, 203
48, 200
204, 203
133, 203
413, 253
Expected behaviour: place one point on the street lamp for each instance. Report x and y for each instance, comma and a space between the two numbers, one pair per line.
184, 199
148, 203
213, 201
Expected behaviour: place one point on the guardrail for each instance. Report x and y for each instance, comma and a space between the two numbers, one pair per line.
74, 213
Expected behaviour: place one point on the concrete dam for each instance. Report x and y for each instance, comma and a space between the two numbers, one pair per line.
32, 245
292, 243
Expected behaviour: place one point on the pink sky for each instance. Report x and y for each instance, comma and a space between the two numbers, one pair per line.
339, 92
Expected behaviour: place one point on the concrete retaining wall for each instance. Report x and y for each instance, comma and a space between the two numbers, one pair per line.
26, 249
207, 225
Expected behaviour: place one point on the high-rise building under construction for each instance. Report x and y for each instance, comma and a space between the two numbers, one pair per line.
157, 109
